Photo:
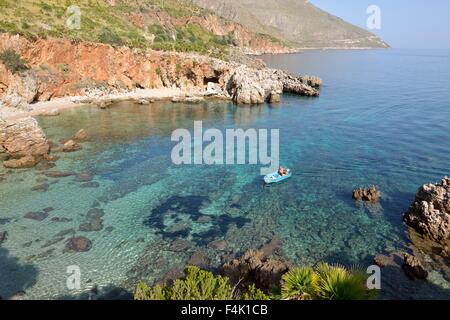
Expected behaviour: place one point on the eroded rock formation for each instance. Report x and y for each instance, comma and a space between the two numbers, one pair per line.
255, 267
370, 194
430, 212
413, 267
252, 86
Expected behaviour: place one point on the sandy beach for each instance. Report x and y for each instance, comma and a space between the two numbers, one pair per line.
53, 107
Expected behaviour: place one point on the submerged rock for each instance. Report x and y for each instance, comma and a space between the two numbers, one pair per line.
58, 174
65, 232
80, 136
272, 247
61, 219
41, 187
370, 194
52, 242
199, 259
5, 220
78, 244
3, 236
220, 245
430, 212
170, 276
91, 184
24, 162
84, 177
44, 165
36, 215
71, 146
204, 219
94, 221
179, 245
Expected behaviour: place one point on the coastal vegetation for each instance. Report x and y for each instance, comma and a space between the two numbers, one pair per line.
323, 282
13, 61
197, 285
177, 25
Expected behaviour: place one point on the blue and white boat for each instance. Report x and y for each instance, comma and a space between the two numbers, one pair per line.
276, 177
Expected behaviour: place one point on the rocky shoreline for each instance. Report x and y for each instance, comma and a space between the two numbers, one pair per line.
429, 214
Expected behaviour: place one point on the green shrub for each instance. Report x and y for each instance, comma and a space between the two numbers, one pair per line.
254, 293
109, 37
13, 61
338, 283
196, 285
299, 284
326, 282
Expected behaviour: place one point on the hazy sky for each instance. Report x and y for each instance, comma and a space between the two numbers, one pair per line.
404, 23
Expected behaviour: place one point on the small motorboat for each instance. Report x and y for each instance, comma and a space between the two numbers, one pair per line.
276, 177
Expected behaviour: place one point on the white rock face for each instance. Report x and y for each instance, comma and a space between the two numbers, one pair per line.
23, 137
252, 86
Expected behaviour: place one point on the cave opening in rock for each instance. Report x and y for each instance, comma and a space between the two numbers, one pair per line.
214, 79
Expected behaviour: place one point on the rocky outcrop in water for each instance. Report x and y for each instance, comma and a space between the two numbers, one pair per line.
255, 267
252, 86
430, 212
24, 162
70, 146
413, 267
80, 136
23, 141
370, 194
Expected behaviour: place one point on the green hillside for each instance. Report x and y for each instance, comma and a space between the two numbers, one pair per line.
112, 22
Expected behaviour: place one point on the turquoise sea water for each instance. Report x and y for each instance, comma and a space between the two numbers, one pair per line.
383, 118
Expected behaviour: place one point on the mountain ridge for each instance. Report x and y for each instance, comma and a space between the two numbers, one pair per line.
299, 22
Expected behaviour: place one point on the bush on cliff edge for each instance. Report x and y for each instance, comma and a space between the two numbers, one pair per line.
13, 61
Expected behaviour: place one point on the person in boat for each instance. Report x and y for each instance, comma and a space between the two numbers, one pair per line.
282, 171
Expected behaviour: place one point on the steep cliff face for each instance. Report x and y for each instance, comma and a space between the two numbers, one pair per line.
59, 67
296, 21
230, 32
